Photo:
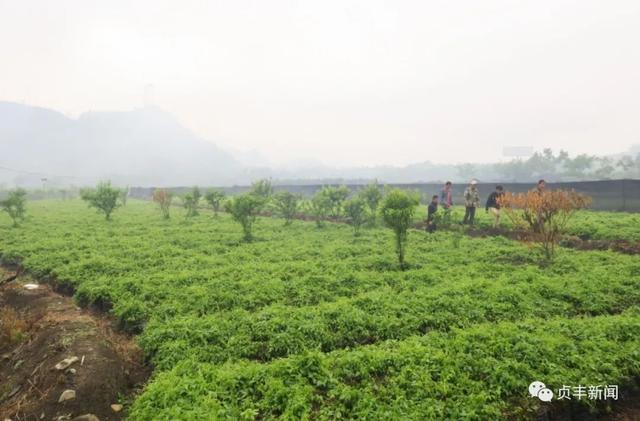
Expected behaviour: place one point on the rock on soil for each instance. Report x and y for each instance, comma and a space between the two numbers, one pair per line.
86, 417
67, 395
66, 363
36, 372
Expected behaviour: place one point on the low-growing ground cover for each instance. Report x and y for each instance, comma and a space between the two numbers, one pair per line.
475, 373
606, 225
314, 322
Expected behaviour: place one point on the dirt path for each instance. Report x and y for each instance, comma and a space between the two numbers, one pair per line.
39, 328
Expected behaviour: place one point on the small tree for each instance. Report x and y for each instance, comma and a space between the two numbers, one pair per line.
356, 211
372, 195
336, 196
262, 188
124, 195
544, 214
244, 209
163, 198
287, 204
398, 209
319, 207
104, 198
14, 205
190, 201
215, 198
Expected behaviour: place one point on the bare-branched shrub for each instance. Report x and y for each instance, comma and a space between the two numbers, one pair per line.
544, 214
12, 327
163, 198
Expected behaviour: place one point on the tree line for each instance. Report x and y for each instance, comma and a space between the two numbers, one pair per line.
545, 215
558, 167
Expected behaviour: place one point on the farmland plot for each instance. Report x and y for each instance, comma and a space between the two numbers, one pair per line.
308, 322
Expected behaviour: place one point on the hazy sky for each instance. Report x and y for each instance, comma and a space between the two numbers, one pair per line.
344, 82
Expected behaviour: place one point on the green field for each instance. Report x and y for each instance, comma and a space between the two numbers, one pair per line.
586, 224
310, 322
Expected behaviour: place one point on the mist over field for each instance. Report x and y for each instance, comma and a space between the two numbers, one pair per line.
155, 93
150, 147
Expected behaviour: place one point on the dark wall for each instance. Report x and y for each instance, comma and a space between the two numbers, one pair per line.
617, 195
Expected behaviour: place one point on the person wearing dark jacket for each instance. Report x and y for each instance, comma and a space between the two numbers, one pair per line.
493, 204
431, 214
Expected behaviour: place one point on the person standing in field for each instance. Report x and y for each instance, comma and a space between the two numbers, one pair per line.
540, 189
493, 205
431, 214
446, 196
471, 202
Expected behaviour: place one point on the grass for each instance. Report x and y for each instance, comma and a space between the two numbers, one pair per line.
314, 323
12, 327
587, 224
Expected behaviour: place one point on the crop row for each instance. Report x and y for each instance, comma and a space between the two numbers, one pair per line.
476, 373
386, 313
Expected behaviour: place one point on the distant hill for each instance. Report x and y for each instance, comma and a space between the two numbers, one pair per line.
145, 146
149, 147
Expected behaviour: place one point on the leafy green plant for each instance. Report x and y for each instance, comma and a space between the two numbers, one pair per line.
244, 209
286, 204
190, 201
398, 209
103, 197
262, 188
335, 195
124, 195
215, 198
437, 376
320, 207
14, 205
372, 195
457, 232
356, 212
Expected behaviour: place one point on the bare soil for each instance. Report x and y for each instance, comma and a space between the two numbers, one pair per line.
110, 369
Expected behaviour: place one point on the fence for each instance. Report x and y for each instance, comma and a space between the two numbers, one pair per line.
614, 195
